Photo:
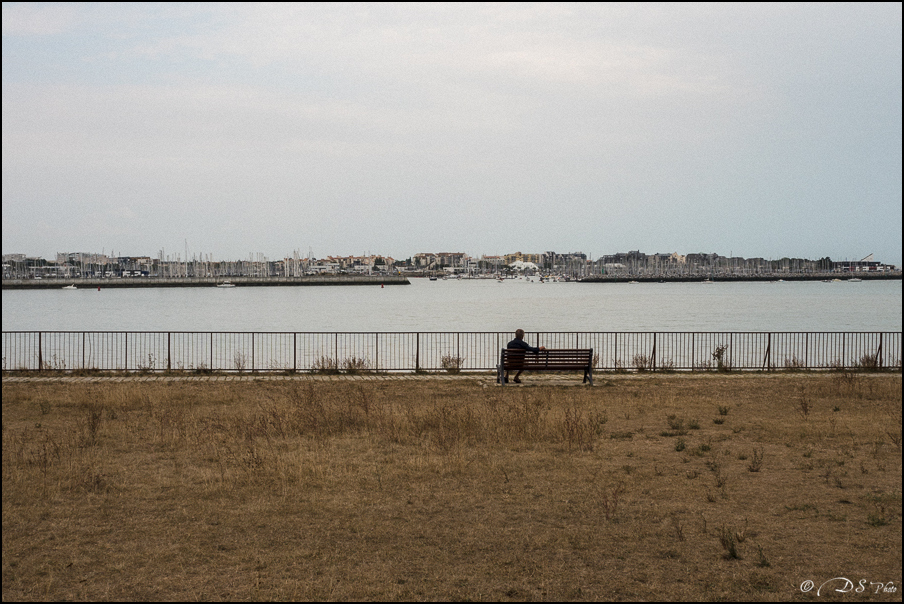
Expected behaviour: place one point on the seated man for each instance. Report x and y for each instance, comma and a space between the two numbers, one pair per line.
519, 342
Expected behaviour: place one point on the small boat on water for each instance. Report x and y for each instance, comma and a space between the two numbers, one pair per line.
72, 286
225, 284
855, 280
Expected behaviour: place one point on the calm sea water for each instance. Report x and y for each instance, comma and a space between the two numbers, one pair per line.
467, 305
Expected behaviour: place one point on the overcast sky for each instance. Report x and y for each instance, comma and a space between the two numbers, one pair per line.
755, 130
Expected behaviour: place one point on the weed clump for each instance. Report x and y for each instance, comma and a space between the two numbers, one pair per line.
355, 365
325, 365
722, 364
452, 363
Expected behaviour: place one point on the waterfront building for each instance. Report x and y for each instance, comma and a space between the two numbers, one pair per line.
81, 265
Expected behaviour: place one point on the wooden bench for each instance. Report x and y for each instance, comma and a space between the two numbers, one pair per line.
564, 359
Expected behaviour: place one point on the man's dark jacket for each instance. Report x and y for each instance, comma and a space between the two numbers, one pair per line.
516, 343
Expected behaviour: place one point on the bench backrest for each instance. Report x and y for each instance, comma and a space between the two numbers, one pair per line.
556, 358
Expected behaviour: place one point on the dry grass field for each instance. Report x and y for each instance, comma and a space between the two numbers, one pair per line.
675, 487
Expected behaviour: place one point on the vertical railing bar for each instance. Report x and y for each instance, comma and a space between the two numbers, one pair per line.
807, 351
653, 355
731, 350
879, 353
843, 355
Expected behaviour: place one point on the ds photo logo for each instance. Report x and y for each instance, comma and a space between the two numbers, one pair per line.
844, 585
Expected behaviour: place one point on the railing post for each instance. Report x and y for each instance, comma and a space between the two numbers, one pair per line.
40, 354
126, 366
653, 355
417, 352
83, 350
169, 355
252, 352
294, 351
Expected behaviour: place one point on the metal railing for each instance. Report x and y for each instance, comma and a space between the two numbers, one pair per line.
436, 351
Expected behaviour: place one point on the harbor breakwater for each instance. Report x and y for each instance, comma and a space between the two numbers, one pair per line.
742, 278
133, 282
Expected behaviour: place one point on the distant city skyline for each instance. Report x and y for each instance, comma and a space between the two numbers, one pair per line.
754, 130
259, 256
20, 271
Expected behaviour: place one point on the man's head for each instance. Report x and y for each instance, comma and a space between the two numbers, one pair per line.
519, 333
